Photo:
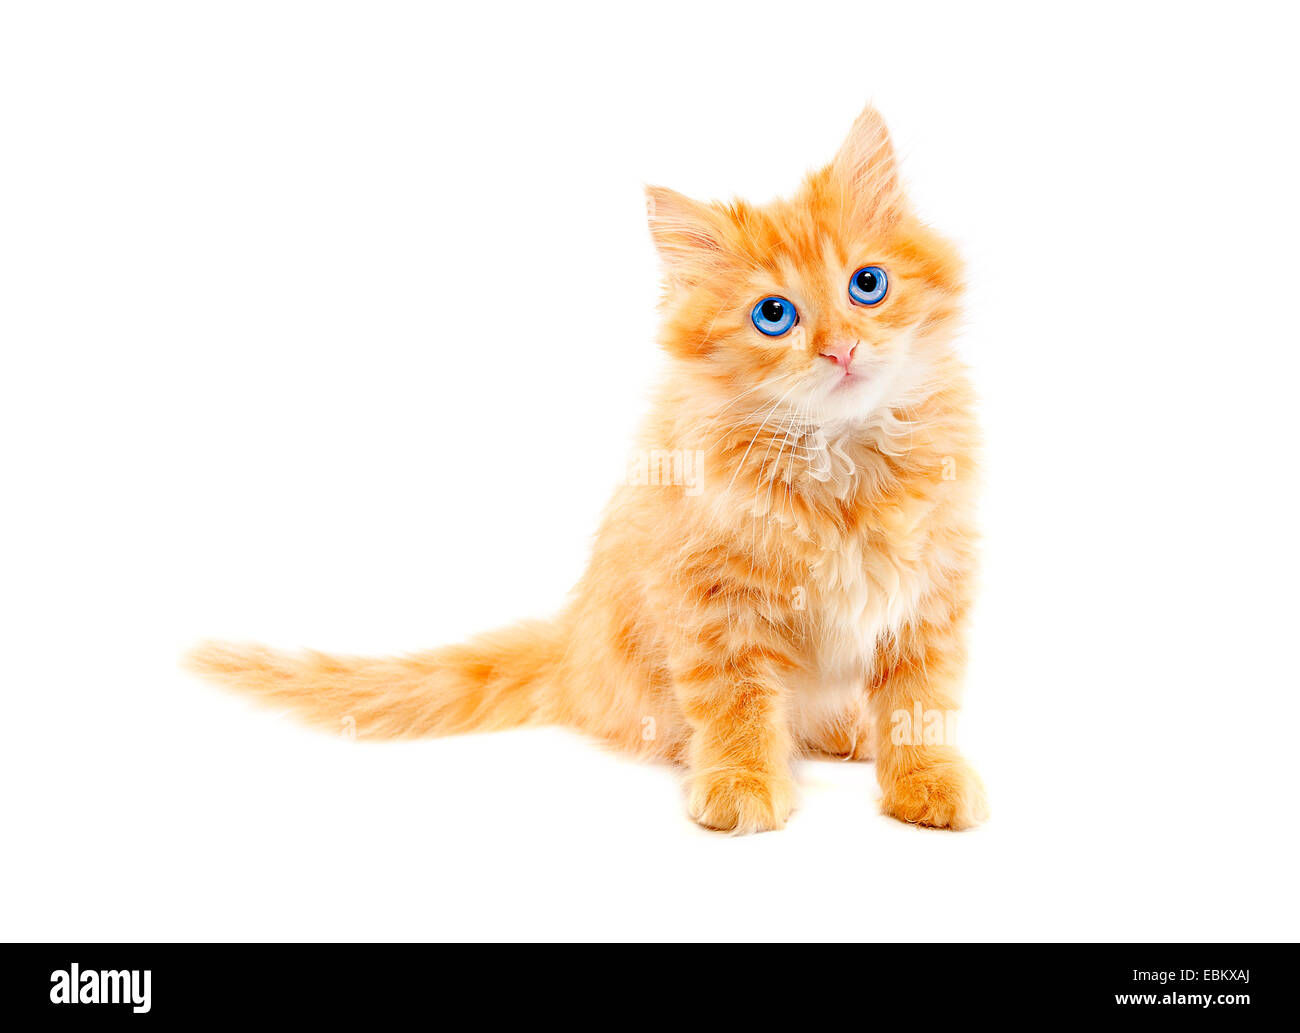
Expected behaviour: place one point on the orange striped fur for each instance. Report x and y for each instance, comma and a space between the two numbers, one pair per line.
804, 587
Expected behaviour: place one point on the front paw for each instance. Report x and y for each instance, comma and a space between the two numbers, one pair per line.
741, 801
944, 794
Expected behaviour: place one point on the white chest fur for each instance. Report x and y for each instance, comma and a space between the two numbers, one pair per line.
866, 592
863, 595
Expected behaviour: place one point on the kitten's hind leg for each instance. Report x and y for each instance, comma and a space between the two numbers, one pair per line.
846, 734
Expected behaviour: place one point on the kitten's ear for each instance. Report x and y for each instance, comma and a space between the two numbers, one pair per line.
867, 166
686, 233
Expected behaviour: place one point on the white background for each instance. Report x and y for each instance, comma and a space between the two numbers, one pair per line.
330, 324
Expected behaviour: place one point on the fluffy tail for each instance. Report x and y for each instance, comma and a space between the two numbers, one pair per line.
498, 680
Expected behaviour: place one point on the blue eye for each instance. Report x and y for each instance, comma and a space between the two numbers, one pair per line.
774, 316
868, 285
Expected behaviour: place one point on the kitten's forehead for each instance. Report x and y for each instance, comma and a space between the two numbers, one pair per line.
802, 238
815, 264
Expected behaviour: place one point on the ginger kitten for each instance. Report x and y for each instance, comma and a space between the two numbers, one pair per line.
793, 571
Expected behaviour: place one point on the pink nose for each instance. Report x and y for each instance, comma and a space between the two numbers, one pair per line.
841, 354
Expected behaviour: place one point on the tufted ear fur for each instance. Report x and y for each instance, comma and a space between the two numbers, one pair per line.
868, 168
687, 234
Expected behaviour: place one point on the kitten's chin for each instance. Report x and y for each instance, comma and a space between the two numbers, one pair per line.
875, 386
856, 397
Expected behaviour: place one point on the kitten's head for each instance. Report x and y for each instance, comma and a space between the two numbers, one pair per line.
834, 303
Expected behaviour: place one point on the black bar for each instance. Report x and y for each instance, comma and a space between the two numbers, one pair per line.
388, 982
